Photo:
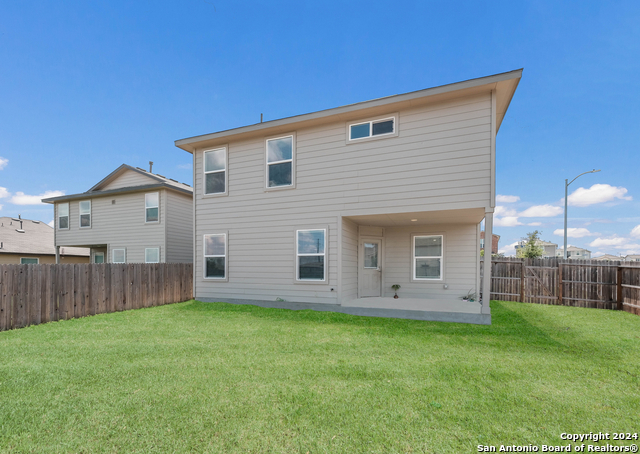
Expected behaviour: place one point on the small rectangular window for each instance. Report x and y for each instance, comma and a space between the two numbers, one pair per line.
98, 257
280, 155
215, 256
310, 255
373, 128
85, 213
152, 207
215, 171
29, 260
152, 255
119, 256
427, 257
63, 216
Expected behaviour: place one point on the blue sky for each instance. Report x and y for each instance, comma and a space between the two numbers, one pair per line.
90, 85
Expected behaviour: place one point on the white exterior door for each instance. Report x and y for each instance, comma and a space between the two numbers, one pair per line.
370, 268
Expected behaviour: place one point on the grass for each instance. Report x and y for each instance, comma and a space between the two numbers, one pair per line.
213, 377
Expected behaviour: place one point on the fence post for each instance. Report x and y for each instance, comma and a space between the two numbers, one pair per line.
619, 297
522, 280
560, 286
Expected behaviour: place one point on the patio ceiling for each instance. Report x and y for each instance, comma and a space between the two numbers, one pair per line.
468, 216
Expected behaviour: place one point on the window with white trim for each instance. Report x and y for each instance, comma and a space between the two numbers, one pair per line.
63, 216
98, 257
85, 213
427, 257
152, 207
119, 255
374, 128
215, 256
215, 171
310, 255
152, 255
280, 154
29, 260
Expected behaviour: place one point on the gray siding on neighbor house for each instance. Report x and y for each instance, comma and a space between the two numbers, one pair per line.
179, 215
440, 160
119, 225
127, 179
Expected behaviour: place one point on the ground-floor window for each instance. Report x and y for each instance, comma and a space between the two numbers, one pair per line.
215, 256
427, 257
98, 257
311, 261
152, 255
28, 260
119, 255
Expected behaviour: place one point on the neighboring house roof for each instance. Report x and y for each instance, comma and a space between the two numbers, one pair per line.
607, 257
505, 85
632, 257
574, 248
35, 237
156, 181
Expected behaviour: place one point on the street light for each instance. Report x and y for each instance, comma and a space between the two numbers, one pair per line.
566, 190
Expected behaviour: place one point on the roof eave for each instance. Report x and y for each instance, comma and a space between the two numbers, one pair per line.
86, 195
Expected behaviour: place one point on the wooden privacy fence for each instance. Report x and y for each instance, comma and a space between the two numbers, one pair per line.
580, 283
34, 294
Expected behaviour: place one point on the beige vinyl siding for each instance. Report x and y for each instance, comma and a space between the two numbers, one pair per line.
119, 225
459, 261
440, 160
179, 215
349, 260
127, 179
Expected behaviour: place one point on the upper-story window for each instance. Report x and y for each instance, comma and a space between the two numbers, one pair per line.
215, 171
381, 127
85, 213
280, 162
63, 216
152, 207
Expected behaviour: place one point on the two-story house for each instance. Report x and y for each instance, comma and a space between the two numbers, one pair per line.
574, 252
328, 210
130, 216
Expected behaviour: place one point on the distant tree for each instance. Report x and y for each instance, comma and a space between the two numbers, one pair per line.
531, 248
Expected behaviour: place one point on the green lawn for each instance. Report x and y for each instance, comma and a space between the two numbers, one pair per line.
198, 377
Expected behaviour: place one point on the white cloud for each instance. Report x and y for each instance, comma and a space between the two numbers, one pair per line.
635, 232
573, 232
598, 193
4, 193
535, 224
504, 211
507, 198
51, 223
185, 166
509, 249
20, 198
0, 207
541, 211
628, 249
507, 221
3, 162
611, 242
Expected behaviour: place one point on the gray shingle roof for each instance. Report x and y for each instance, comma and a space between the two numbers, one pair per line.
36, 238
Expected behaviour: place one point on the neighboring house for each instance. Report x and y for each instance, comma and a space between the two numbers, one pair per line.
632, 258
494, 243
131, 216
574, 252
608, 258
25, 241
548, 247
336, 206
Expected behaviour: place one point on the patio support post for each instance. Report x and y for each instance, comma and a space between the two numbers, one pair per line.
486, 278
